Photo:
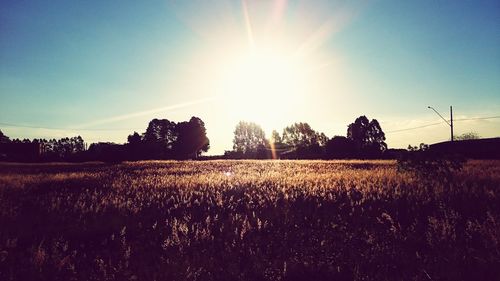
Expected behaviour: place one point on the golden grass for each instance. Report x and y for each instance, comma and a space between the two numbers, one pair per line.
247, 220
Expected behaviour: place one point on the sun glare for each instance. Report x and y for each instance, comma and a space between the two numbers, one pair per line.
263, 86
265, 63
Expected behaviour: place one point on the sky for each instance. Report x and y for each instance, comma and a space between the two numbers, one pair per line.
104, 69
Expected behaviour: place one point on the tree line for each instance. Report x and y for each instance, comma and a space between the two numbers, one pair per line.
364, 139
165, 139
64, 149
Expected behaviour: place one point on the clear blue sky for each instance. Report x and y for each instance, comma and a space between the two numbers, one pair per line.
103, 69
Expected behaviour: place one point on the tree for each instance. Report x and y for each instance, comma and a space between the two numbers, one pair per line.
306, 142
108, 152
164, 139
65, 148
276, 139
134, 139
77, 144
159, 139
301, 135
368, 137
161, 130
468, 136
322, 139
3, 138
248, 139
135, 147
340, 147
191, 139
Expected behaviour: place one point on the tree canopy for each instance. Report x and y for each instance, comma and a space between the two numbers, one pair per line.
339, 147
249, 138
3, 138
191, 139
276, 139
468, 136
301, 135
165, 139
368, 137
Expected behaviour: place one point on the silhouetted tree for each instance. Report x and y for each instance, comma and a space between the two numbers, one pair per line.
65, 148
107, 152
248, 139
468, 136
4, 141
161, 130
134, 139
340, 147
191, 139
3, 138
368, 137
159, 139
302, 135
306, 142
21, 141
322, 139
135, 147
51, 150
164, 139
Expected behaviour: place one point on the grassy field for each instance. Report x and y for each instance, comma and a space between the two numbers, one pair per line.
248, 220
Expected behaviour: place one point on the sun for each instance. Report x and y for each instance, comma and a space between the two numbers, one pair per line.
263, 86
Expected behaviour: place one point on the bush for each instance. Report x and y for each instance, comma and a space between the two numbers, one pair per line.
429, 165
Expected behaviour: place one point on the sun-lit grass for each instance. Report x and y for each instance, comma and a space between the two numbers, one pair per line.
247, 220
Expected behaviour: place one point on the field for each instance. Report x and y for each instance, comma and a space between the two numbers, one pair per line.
248, 220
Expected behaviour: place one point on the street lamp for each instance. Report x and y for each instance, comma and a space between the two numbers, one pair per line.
451, 119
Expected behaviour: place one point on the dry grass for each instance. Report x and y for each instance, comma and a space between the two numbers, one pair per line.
247, 220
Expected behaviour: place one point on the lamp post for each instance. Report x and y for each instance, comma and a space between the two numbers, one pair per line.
451, 119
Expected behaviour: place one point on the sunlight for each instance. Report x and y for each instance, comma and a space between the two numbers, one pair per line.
263, 86
264, 61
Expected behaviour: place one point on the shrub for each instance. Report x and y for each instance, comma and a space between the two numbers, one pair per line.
429, 165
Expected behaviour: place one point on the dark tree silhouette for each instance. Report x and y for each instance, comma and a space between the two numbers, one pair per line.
467, 136
64, 149
249, 138
339, 147
135, 147
301, 135
191, 139
368, 137
159, 139
107, 151
4, 138
164, 139
67, 147
134, 139
305, 142
161, 130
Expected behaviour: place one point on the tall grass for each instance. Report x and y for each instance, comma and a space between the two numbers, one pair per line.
247, 220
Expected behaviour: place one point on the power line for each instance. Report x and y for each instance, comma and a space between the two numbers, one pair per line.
433, 124
413, 128
477, 118
136, 129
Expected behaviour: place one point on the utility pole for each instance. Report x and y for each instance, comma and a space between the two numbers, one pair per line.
451, 122
451, 119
